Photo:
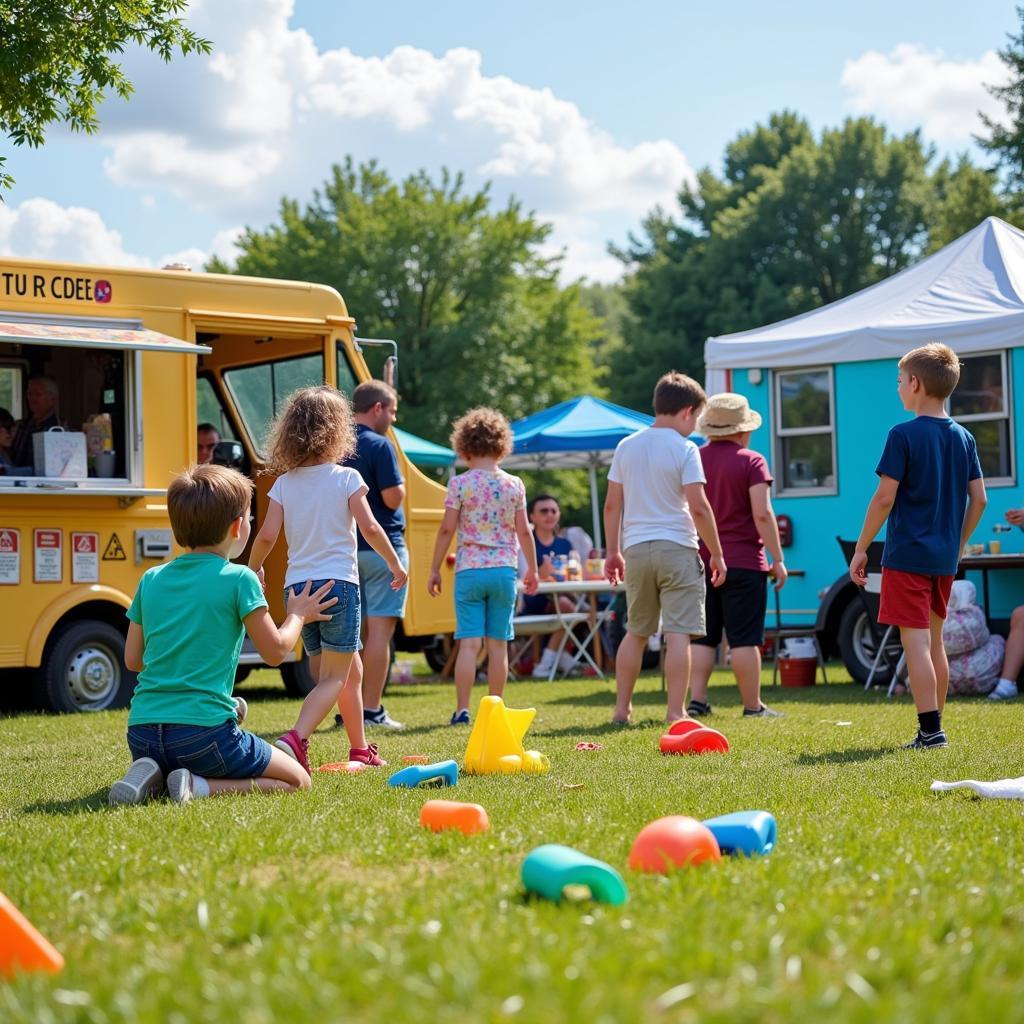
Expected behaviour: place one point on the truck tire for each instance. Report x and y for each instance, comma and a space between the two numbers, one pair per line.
83, 669
438, 651
857, 645
297, 679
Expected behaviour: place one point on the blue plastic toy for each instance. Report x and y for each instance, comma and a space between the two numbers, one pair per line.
548, 869
444, 773
748, 832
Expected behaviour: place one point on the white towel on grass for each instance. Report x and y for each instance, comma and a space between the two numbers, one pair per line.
1002, 789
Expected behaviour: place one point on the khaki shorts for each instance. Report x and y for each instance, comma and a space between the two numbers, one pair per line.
664, 578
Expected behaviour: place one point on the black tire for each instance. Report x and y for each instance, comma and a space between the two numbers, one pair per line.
242, 673
83, 669
297, 679
438, 650
857, 646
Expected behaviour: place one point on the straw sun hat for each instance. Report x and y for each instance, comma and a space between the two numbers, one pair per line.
727, 413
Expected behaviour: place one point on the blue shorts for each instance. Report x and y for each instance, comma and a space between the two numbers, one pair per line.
378, 599
221, 752
485, 603
340, 633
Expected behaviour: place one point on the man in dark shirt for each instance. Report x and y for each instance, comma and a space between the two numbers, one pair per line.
375, 405
42, 396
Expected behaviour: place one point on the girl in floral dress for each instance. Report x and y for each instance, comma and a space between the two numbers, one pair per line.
485, 509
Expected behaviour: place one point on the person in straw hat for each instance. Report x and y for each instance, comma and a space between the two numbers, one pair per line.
738, 484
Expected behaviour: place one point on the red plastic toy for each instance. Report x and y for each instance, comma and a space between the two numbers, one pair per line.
673, 842
438, 815
688, 737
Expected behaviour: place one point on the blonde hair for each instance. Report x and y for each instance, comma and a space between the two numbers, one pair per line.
936, 366
675, 392
482, 433
203, 501
315, 423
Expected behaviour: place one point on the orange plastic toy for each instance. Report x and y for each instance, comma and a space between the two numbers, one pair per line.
342, 766
22, 948
683, 738
673, 842
438, 815
415, 759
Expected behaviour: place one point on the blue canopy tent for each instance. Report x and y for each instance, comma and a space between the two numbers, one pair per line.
421, 452
579, 434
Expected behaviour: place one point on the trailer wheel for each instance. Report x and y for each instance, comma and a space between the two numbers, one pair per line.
857, 645
438, 651
83, 669
298, 680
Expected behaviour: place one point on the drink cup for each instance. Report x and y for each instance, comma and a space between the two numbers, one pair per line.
995, 547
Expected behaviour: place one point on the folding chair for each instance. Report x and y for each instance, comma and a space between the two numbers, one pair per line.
881, 639
779, 633
527, 627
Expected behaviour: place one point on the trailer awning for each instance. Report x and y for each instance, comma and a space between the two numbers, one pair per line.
76, 335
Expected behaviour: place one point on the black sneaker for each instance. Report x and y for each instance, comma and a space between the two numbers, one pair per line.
762, 712
698, 709
923, 742
339, 722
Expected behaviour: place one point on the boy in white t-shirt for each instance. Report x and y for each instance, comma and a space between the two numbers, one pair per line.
656, 504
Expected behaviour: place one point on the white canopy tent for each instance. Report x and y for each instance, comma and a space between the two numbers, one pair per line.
969, 295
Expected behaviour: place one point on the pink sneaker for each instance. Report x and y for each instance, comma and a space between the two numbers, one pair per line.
295, 746
367, 755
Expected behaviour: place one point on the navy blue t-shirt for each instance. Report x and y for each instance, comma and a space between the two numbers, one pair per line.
377, 464
933, 459
537, 604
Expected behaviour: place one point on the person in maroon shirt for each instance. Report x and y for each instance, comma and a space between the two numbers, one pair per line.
738, 485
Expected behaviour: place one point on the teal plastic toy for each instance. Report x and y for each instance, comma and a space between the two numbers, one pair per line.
548, 869
748, 832
444, 773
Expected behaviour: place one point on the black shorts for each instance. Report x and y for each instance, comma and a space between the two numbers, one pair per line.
738, 606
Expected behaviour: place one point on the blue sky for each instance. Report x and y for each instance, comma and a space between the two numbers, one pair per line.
590, 113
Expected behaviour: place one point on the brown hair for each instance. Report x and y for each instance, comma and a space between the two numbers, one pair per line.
370, 392
315, 423
675, 392
203, 501
936, 366
482, 433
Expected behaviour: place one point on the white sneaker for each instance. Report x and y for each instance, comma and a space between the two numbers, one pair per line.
1005, 690
566, 662
142, 781
241, 709
179, 786
381, 718
543, 667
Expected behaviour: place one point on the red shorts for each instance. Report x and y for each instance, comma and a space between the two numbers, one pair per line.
909, 597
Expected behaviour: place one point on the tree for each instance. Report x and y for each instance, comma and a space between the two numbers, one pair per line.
59, 59
1005, 140
964, 196
478, 312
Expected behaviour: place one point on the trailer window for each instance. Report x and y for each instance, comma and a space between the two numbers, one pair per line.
346, 378
805, 455
981, 402
260, 391
210, 410
11, 384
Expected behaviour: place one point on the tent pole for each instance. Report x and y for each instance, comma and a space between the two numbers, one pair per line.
593, 506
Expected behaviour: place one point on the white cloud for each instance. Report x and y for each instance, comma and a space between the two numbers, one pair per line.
269, 112
911, 86
42, 229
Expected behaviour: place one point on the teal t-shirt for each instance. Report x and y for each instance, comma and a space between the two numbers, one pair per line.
191, 613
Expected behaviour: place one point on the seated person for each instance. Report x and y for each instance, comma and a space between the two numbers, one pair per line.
544, 513
6, 439
1013, 658
42, 397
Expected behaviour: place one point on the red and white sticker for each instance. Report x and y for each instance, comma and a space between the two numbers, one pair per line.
10, 556
85, 558
48, 555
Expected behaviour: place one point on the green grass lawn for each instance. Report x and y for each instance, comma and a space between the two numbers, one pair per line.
882, 901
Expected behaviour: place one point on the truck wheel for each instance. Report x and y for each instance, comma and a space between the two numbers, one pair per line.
297, 679
83, 669
438, 651
857, 645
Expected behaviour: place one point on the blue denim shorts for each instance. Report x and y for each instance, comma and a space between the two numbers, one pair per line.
378, 599
221, 752
340, 633
485, 603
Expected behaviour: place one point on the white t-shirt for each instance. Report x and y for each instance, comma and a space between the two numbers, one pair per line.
318, 524
653, 465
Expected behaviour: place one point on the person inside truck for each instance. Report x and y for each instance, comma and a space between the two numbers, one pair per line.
6, 438
207, 438
42, 396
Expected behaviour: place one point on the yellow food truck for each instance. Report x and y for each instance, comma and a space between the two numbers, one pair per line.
114, 369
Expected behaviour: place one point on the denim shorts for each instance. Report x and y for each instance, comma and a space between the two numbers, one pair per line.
221, 752
485, 603
340, 633
378, 599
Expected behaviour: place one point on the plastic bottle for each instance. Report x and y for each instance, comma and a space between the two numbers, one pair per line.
559, 567
574, 569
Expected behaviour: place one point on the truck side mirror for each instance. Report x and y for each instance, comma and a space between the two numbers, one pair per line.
231, 454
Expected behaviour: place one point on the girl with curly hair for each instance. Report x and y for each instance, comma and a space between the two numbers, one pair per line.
485, 509
319, 504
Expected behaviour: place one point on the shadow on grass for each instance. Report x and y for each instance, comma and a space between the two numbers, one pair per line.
851, 756
95, 801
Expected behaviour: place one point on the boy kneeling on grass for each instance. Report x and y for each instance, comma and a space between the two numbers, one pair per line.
186, 627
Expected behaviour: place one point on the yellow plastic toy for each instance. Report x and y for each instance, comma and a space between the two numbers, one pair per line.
496, 742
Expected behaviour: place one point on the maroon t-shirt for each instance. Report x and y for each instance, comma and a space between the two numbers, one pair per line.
731, 471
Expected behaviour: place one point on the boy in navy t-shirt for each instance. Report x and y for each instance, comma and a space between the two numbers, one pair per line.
932, 493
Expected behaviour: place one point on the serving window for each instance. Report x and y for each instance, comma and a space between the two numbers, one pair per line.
982, 403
